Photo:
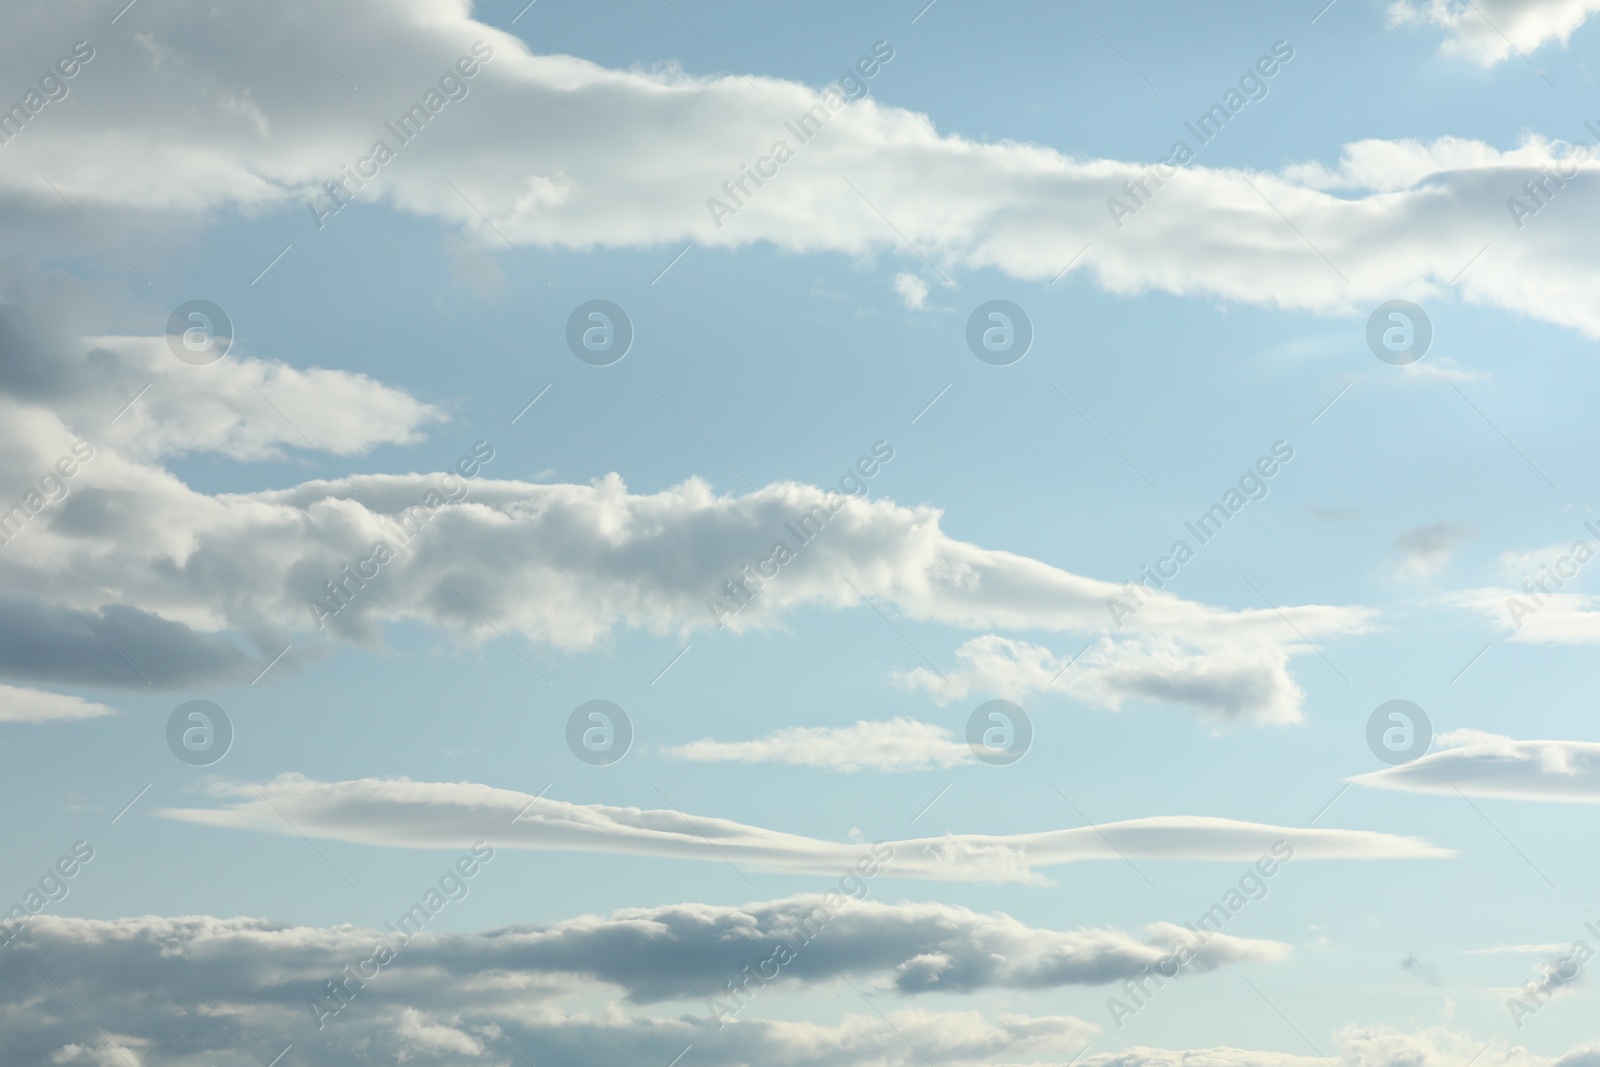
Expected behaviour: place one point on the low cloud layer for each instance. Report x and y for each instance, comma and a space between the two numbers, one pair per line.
195, 991
399, 813
649, 955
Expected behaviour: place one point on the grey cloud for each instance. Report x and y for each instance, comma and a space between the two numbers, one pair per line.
196, 990
51, 643
1427, 549
694, 949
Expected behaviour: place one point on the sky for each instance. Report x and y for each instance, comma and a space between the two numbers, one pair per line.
853, 535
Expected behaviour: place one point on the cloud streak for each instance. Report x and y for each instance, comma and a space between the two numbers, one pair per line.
1490, 765
899, 744
400, 813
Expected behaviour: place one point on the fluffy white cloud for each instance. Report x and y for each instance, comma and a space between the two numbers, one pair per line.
1229, 679
1490, 765
239, 407
899, 744
34, 705
1490, 31
563, 564
400, 813
912, 290
265, 121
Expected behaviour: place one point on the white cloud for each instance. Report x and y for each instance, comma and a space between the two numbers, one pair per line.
1519, 565
34, 705
1440, 369
1490, 765
911, 289
1411, 216
1534, 618
240, 407
898, 744
420, 1036
400, 813
1229, 679
1491, 31
123, 1051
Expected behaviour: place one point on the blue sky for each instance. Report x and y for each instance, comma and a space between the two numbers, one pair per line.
824, 324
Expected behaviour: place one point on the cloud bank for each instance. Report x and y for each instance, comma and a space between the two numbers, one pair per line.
265, 123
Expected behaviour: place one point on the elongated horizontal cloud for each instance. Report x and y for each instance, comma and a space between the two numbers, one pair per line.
1243, 678
265, 121
200, 990
1492, 31
564, 565
112, 646
899, 744
35, 705
239, 407
696, 949
400, 813
677, 952
1489, 765
134, 395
